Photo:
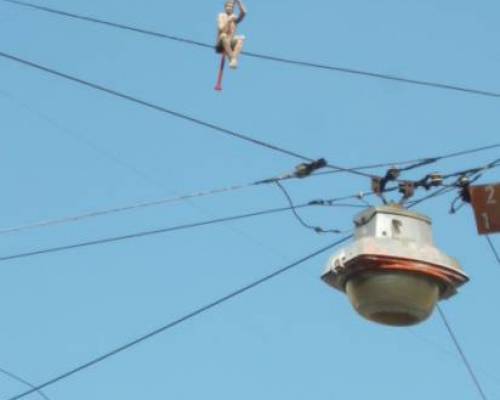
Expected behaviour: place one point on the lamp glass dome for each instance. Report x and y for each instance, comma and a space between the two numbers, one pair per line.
393, 297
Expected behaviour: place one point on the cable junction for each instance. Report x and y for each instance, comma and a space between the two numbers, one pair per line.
194, 120
220, 129
301, 171
420, 162
283, 60
24, 382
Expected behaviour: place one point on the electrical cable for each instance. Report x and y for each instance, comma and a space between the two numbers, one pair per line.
157, 231
141, 205
316, 229
462, 353
420, 161
336, 168
182, 319
493, 249
491, 165
177, 114
284, 60
145, 233
24, 382
109, 211
155, 107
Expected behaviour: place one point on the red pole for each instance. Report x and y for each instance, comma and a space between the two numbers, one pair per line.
218, 86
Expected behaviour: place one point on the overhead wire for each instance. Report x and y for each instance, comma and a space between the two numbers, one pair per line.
198, 311
461, 351
493, 248
423, 162
182, 319
289, 61
153, 232
336, 168
193, 314
316, 229
115, 210
419, 162
147, 204
176, 114
17, 378
442, 314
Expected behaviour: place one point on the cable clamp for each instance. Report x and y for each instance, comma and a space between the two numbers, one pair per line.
306, 169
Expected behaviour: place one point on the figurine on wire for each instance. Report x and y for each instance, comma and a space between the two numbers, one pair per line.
229, 44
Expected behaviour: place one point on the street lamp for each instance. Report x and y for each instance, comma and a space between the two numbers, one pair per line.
392, 273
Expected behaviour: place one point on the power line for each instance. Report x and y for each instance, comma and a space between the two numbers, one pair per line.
462, 353
155, 107
136, 206
195, 313
284, 60
419, 162
145, 233
316, 229
24, 382
159, 231
147, 204
182, 319
493, 249
104, 212
177, 114
220, 129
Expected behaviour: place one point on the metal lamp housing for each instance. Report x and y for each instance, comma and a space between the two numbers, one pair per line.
392, 273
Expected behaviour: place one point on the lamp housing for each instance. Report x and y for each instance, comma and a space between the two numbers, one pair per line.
392, 272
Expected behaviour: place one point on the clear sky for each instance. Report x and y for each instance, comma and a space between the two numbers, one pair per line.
67, 149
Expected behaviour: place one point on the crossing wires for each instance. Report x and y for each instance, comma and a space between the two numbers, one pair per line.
183, 319
194, 120
17, 378
277, 59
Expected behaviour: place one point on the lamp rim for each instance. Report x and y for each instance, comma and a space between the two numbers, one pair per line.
447, 278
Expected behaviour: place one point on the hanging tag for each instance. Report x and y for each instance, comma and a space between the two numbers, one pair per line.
485, 200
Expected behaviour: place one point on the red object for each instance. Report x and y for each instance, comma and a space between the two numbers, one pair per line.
218, 86
485, 200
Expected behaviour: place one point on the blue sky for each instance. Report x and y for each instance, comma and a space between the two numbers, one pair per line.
68, 149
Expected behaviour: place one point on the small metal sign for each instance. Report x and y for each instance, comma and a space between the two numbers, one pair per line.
485, 200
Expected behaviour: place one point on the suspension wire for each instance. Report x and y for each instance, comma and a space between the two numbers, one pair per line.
146, 233
200, 311
141, 205
284, 60
24, 382
177, 114
419, 162
493, 249
442, 314
220, 129
472, 174
136, 235
491, 165
184, 318
104, 212
462, 353
210, 305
